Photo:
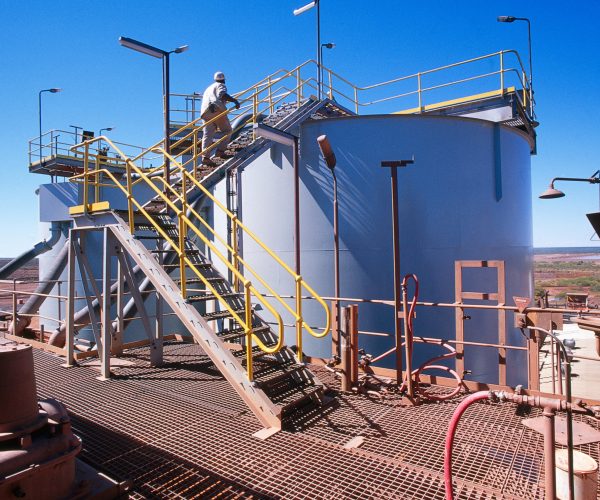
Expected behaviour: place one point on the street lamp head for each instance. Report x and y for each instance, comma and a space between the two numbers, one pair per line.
328, 45
303, 9
551, 193
326, 151
142, 47
181, 49
506, 19
55, 90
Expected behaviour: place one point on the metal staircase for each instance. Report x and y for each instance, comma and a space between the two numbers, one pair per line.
170, 242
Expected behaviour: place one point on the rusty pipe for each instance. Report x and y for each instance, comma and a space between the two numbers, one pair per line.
549, 460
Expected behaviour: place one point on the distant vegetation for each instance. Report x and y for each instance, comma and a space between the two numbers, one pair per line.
559, 277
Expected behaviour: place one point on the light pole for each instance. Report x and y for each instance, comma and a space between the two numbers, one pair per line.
301, 10
512, 19
52, 91
328, 45
149, 50
108, 129
343, 341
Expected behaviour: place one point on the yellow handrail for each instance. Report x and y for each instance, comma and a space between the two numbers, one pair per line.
186, 224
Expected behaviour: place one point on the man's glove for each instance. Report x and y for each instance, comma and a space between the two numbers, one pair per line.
237, 104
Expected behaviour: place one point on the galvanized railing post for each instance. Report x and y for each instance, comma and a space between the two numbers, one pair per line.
86, 182
97, 179
129, 196
299, 355
330, 84
270, 95
298, 88
419, 92
254, 113
248, 320
356, 100
14, 308
502, 72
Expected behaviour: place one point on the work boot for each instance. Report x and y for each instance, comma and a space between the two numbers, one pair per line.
224, 155
208, 162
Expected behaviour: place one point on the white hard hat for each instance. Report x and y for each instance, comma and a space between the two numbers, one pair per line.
219, 76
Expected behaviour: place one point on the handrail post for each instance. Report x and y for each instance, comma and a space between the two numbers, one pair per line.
502, 72
195, 153
129, 196
254, 113
356, 100
234, 254
182, 232
270, 95
86, 182
330, 79
299, 355
248, 319
419, 92
97, 179
526, 90
14, 308
298, 88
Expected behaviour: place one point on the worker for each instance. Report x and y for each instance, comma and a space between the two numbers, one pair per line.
213, 104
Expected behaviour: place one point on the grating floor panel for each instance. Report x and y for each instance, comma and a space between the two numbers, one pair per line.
180, 431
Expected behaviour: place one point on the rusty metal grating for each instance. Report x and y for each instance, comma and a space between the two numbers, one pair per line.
180, 431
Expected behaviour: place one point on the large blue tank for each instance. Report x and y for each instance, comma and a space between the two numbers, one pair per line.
467, 196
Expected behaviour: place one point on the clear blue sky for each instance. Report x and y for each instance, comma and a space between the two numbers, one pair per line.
73, 45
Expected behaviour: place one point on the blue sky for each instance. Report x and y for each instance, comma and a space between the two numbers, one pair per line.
74, 45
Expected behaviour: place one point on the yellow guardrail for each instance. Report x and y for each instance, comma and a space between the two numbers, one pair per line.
98, 177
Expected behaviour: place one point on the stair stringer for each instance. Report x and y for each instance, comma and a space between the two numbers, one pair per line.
267, 413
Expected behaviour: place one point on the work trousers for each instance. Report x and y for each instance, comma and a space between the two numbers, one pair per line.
222, 124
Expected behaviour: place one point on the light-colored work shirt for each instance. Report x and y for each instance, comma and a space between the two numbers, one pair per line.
213, 95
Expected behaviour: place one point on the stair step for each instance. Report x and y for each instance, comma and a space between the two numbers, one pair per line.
236, 333
209, 296
221, 314
297, 397
195, 280
257, 353
172, 250
276, 373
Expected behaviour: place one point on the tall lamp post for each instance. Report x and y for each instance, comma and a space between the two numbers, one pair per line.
107, 129
301, 10
512, 19
52, 91
328, 45
343, 342
149, 50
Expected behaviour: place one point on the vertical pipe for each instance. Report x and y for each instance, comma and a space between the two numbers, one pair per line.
559, 370
355, 100
58, 311
354, 344
14, 308
106, 321
419, 92
408, 343
336, 256
299, 355
167, 113
318, 4
549, 461
345, 348
552, 367
117, 346
296, 206
397, 279
70, 312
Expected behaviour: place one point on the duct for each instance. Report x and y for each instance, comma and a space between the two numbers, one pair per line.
45, 286
38, 249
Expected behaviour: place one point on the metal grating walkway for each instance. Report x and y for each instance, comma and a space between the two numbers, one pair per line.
180, 431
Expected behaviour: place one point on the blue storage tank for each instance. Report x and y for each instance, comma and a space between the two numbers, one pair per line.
467, 196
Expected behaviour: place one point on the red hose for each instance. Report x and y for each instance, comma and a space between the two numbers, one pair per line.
460, 409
